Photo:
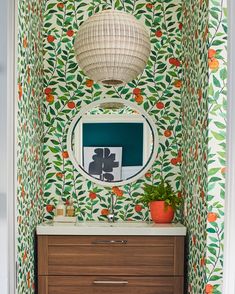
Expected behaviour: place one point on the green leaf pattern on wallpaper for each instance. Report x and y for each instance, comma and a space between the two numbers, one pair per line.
217, 62
66, 90
204, 140
30, 175
194, 139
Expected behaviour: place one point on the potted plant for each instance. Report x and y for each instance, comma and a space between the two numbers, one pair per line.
162, 201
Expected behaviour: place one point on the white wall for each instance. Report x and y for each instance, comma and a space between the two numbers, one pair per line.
7, 114
229, 270
3, 147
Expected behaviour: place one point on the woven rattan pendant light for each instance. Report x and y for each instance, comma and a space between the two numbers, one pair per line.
112, 47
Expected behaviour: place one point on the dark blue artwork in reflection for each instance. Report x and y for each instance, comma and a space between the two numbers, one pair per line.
103, 164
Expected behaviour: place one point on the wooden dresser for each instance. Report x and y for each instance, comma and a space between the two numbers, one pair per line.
110, 264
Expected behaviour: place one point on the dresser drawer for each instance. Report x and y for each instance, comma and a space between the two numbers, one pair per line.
110, 284
115, 255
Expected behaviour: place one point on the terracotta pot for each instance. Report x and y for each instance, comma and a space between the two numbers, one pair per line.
161, 213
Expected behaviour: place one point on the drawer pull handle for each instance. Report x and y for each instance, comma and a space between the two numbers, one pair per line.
110, 282
110, 242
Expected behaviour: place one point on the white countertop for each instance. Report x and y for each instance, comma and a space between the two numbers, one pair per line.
94, 228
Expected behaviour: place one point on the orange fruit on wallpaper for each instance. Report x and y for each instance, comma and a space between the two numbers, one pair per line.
223, 170
19, 219
202, 194
212, 217
194, 239
199, 92
148, 175
50, 38
199, 219
179, 157
211, 53
174, 61
60, 5
137, 91
158, 33
104, 211
178, 83
28, 280
149, 5
196, 150
70, 33
89, 83
22, 191
49, 207
20, 91
160, 105
39, 110
205, 34
167, 133
25, 256
139, 99
65, 154
205, 156
203, 261
71, 104
209, 288
180, 26
174, 161
117, 191
50, 98
67, 202
60, 175
213, 63
47, 91
19, 179
92, 195
138, 208
25, 42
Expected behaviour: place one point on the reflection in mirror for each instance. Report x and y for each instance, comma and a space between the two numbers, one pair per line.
112, 142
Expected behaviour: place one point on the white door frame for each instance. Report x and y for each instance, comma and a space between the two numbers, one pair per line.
229, 252
11, 26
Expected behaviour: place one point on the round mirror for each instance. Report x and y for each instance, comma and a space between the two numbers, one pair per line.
112, 142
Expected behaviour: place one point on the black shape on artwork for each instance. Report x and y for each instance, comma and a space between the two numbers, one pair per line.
103, 164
